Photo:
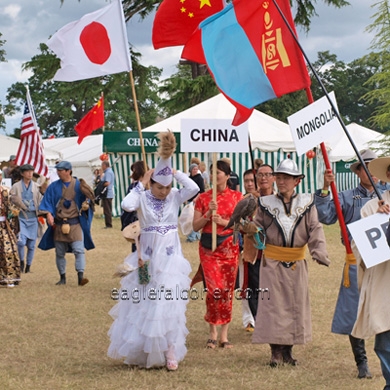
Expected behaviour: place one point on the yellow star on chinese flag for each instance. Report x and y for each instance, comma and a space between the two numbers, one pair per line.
204, 2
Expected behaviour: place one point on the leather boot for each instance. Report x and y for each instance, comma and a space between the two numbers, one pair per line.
22, 266
27, 269
359, 352
62, 280
276, 355
82, 281
287, 355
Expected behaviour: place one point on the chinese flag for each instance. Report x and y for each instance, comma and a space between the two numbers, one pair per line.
92, 121
176, 20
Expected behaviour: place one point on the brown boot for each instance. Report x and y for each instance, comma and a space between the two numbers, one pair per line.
276, 355
287, 355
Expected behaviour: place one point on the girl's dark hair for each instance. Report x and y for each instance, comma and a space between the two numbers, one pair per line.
222, 166
138, 169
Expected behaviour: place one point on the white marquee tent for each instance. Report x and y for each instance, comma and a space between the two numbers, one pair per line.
84, 157
9, 146
270, 139
341, 149
267, 133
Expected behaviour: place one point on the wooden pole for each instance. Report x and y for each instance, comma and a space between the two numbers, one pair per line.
138, 119
214, 225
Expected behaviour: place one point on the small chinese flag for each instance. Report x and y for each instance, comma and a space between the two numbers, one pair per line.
176, 20
92, 121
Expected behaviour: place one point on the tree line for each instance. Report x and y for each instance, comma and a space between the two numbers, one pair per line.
361, 86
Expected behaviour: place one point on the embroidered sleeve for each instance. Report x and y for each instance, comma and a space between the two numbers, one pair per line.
190, 188
132, 200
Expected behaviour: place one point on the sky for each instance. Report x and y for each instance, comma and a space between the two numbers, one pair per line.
24, 24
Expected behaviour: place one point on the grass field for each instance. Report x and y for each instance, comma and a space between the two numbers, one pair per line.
55, 337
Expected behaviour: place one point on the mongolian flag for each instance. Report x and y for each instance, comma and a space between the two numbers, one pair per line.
250, 53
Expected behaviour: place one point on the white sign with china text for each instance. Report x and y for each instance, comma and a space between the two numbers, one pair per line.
213, 135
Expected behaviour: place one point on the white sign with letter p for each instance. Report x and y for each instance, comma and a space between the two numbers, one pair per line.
369, 235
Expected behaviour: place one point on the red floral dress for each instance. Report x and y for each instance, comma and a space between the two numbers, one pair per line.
9, 258
219, 267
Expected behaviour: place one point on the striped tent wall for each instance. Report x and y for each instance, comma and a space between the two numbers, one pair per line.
242, 162
121, 164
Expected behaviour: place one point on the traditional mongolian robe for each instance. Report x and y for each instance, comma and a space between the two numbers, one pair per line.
351, 202
51, 200
149, 319
283, 313
373, 313
30, 197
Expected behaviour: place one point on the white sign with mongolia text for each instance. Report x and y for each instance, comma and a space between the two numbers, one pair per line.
213, 135
314, 124
369, 235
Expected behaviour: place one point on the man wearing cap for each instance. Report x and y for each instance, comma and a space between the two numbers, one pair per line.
109, 181
11, 172
373, 317
351, 202
26, 195
69, 218
291, 225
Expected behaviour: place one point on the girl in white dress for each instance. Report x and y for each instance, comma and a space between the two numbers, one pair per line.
149, 328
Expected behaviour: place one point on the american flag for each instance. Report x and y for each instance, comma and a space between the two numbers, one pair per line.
31, 147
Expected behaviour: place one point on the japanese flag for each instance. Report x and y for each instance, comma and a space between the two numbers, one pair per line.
95, 45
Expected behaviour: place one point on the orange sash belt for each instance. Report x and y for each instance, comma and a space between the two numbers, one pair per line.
282, 253
349, 260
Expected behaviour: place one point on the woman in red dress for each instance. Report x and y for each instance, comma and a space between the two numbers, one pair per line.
219, 267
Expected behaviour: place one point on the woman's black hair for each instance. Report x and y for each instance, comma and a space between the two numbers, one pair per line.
222, 166
138, 169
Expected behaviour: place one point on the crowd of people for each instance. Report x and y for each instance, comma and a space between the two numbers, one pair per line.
269, 259
292, 226
67, 204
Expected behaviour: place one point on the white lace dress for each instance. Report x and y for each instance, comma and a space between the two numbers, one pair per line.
149, 320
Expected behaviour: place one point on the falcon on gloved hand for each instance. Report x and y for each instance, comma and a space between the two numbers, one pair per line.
245, 208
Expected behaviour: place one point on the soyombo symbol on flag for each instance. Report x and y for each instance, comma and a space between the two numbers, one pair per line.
95, 45
250, 52
176, 20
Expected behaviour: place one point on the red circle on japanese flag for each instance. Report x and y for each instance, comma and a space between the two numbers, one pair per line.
96, 43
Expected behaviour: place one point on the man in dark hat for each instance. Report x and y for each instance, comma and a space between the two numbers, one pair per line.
26, 195
69, 217
351, 202
12, 170
291, 225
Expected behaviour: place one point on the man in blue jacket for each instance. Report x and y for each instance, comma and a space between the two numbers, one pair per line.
351, 202
69, 217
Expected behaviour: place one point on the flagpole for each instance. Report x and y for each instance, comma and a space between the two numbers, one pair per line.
102, 97
252, 161
214, 197
310, 99
138, 119
334, 109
